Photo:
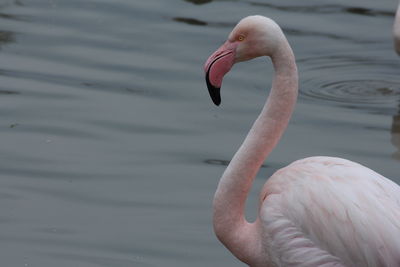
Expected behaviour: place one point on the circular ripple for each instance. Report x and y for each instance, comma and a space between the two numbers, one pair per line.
353, 83
357, 91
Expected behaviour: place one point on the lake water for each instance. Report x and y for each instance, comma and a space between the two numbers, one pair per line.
111, 148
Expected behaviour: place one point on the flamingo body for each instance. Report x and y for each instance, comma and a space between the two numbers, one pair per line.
318, 211
325, 210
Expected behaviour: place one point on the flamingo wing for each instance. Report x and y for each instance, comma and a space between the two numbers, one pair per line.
324, 211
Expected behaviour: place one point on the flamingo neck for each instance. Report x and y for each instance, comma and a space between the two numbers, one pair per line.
230, 224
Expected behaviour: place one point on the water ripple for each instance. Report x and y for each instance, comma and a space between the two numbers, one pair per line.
312, 34
8, 92
357, 91
222, 162
99, 260
190, 21
328, 9
6, 37
353, 83
199, 2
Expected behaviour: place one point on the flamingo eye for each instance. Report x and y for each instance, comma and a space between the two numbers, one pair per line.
240, 38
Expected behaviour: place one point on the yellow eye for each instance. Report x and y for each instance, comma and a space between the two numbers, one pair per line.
241, 38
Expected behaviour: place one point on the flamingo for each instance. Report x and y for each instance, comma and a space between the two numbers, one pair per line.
396, 31
317, 211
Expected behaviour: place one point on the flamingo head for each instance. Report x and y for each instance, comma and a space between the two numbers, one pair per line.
253, 36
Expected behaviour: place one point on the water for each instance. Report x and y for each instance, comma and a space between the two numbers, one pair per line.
111, 148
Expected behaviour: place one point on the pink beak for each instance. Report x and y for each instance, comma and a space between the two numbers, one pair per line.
216, 66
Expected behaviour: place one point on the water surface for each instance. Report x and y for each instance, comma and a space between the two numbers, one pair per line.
111, 148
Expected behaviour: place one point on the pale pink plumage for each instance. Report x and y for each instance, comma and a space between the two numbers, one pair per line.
341, 207
318, 211
396, 31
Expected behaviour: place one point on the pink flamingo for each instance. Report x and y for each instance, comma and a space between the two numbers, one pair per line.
396, 31
318, 211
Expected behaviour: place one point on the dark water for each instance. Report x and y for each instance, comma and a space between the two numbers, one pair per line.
111, 148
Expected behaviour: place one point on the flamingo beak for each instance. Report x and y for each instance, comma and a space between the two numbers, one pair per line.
216, 66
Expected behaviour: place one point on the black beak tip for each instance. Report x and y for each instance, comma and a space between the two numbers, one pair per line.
215, 95
214, 92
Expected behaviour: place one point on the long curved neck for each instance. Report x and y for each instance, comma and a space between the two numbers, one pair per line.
230, 224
